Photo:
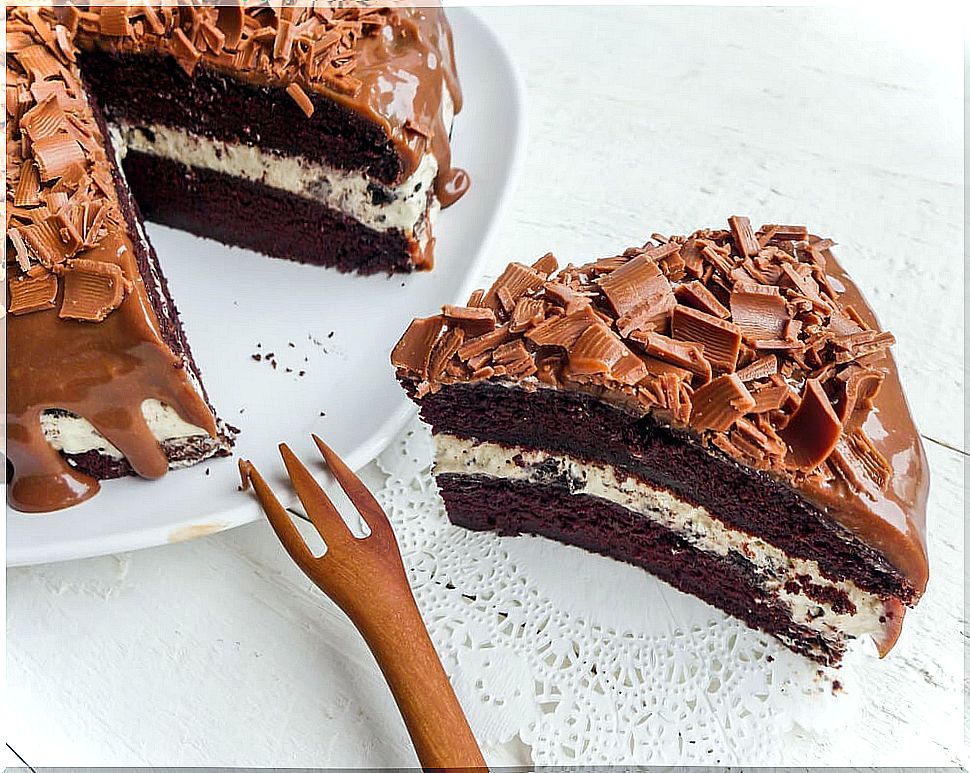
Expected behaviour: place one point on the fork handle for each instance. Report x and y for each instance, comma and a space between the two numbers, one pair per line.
403, 649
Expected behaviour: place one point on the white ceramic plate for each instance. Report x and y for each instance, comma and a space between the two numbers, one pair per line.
338, 329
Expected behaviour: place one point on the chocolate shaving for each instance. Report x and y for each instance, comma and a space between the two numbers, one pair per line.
483, 343
813, 429
651, 313
859, 389
562, 331
696, 295
528, 312
516, 280
443, 351
515, 358
760, 368
473, 321
770, 398
92, 289
857, 462
56, 154
565, 296
34, 291
546, 265
744, 236
688, 356
28, 187
598, 350
759, 311
413, 351
719, 404
721, 339
632, 284
302, 100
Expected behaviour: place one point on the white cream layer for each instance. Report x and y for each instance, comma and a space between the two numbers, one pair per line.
694, 524
73, 434
404, 207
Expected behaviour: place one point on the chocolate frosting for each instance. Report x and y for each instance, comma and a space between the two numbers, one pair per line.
758, 343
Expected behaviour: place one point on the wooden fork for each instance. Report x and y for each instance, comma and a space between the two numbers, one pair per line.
366, 578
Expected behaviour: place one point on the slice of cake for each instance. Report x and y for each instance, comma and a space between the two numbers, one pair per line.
317, 132
720, 409
100, 378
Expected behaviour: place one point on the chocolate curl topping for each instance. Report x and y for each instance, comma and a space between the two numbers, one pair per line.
563, 331
413, 351
474, 322
739, 336
859, 463
721, 340
92, 289
759, 311
814, 428
632, 284
744, 236
34, 291
719, 404
697, 296
597, 350
860, 387
514, 282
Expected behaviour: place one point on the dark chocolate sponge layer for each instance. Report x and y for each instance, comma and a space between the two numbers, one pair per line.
580, 425
148, 89
511, 508
246, 214
101, 467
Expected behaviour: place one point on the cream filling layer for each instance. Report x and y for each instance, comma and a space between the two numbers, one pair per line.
405, 207
72, 434
694, 524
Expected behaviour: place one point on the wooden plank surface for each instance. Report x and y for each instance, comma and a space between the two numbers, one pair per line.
217, 651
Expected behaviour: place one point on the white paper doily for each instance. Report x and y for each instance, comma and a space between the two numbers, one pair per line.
590, 661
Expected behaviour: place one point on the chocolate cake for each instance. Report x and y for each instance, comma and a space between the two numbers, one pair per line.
720, 409
314, 133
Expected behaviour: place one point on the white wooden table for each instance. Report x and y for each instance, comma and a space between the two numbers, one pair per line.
217, 651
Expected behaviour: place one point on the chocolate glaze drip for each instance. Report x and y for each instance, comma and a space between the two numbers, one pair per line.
102, 372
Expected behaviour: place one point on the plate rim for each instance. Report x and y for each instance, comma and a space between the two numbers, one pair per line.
371, 447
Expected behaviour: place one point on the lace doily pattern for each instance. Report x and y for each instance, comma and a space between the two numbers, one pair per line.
588, 661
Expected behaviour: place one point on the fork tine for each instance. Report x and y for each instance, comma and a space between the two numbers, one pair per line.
279, 519
315, 501
356, 491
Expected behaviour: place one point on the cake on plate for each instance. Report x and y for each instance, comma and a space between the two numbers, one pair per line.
317, 133
720, 409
